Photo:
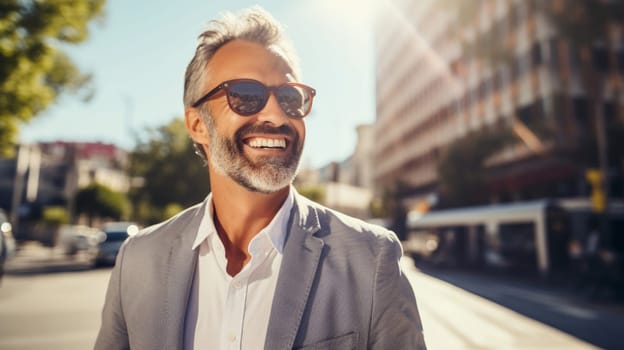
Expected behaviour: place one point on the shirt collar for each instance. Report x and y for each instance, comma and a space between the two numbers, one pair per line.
206, 226
275, 230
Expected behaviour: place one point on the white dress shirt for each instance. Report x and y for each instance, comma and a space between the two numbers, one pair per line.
226, 312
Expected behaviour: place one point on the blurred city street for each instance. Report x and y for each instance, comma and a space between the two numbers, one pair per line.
488, 135
50, 302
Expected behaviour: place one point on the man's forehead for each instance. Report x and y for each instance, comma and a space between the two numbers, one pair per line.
240, 57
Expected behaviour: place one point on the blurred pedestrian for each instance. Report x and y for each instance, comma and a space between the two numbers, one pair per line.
256, 265
604, 266
578, 269
596, 274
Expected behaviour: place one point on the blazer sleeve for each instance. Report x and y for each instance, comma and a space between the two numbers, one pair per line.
395, 320
113, 334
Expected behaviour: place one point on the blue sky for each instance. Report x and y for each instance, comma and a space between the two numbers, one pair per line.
139, 51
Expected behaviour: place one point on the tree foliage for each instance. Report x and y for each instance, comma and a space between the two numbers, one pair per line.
390, 206
33, 71
315, 193
589, 28
583, 22
173, 176
55, 215
462, 172
100, 201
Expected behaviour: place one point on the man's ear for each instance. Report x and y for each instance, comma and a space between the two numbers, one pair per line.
196, 126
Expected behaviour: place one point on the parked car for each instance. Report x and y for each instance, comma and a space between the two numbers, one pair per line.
113, 236
7, 241
77, 239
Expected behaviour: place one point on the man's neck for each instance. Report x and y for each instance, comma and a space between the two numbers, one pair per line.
239, 214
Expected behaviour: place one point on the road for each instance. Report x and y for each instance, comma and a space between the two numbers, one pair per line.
51, 311
59, 308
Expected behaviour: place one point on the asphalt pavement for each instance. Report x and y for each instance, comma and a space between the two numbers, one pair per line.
598, 322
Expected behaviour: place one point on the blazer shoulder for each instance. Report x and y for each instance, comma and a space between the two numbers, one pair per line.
336, 225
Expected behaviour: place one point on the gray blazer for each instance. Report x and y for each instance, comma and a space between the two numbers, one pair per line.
339, 286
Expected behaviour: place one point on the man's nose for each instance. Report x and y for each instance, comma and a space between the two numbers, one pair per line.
273, 113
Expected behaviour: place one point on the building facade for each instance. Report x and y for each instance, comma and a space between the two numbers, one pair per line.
347, 185
51, 173
449, 69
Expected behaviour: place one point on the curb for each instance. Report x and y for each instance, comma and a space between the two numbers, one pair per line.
34, 258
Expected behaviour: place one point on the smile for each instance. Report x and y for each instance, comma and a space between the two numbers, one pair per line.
262, 142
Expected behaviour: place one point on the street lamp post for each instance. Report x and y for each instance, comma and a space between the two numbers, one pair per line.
23, 155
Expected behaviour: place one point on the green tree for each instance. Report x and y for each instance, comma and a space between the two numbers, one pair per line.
589, 28
171, 171
100, 201
390, 206
315, 193
55, 215
462, 169
33, 71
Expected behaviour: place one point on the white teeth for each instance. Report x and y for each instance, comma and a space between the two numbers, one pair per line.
267, 143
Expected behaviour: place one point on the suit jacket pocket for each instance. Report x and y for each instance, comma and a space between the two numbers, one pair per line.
343, 342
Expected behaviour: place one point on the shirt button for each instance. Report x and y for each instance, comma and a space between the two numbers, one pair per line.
237, 285
231, 338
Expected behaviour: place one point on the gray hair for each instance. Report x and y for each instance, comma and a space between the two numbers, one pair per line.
253, 24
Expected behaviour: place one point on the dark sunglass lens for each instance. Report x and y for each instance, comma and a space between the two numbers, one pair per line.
247, 97
294, 100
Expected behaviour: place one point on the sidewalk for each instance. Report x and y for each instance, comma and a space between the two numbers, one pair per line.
34, 258
598, 322
529, 288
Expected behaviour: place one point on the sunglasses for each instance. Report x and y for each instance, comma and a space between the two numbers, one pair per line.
247, 97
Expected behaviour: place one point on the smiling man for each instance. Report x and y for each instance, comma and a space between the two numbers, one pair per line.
256, 265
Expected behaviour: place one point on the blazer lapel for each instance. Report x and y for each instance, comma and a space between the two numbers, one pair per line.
182, 263
302, 252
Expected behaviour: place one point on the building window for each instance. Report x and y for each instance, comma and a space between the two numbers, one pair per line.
514, 16
482, 89
609, 111
536, 54
554, 53
524, 63
516, 67
575, 60
581, 110
496, 80
600, 59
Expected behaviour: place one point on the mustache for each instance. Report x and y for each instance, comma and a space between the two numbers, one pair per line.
265, 129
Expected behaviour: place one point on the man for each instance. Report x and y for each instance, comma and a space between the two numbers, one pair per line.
256, 265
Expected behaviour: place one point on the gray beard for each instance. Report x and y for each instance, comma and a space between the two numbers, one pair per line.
267, 175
